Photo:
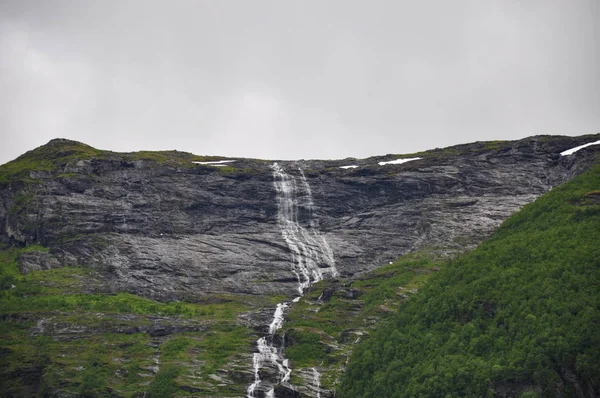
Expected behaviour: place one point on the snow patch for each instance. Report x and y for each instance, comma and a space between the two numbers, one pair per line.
215, 163
352, 166
573, 150
398, 161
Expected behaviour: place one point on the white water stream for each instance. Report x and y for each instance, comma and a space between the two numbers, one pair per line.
312, 260
270, 354
317, 381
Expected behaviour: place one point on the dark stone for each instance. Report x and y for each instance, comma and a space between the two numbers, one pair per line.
286, 390
350, 335
36, 261
31, 379
241, 377
351, 294
190, 389
4, 352
327, 293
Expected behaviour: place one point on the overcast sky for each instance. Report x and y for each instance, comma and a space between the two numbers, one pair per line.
295, 79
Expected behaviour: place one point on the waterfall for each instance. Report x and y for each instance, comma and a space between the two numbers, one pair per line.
317, 381
312, 260
268, 353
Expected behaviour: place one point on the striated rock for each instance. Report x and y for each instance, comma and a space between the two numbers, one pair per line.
171, 232
36, 261
114, 323
310, 389
287, 390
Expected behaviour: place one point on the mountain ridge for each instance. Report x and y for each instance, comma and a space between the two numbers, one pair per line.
125, 229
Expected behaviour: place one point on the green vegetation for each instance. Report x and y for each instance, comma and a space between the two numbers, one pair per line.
306, 348
107, 303
222, 343
42, 291
479, 147
384, 286
49, 157
459, 150
521, 312
55, 335
54, 156
322, 333
9, 273
164, 385
235, 171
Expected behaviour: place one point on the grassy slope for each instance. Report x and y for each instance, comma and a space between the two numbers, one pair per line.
322, 333
520, 314
56, 336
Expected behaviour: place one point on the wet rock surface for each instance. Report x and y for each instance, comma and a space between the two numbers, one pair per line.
172, 233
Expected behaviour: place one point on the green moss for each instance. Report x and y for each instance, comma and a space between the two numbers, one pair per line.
490, 145
164, 384
173, 158
227, 170
95, 361
54, 156
304, 347
43, 300
175, 348
459, 150
219, 344
8, 263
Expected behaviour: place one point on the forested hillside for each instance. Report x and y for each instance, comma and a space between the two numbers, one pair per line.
519, 316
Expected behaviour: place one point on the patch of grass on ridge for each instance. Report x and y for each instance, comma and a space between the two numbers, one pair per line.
54, 156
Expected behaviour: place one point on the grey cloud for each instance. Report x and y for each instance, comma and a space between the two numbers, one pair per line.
283, 79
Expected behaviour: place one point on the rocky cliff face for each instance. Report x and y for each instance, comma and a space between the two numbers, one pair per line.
175, 226
169, 231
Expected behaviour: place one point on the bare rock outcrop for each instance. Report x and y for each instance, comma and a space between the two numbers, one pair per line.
168, 232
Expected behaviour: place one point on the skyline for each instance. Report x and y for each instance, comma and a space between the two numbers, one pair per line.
283, 80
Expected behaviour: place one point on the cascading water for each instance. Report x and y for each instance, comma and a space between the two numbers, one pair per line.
312, 257
268, 353
317, 381
312, 260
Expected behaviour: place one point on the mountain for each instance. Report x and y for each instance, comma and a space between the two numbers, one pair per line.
158, 271
517, 317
